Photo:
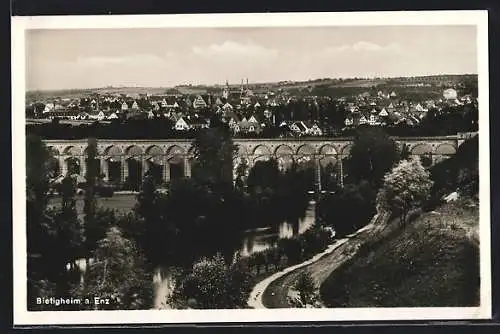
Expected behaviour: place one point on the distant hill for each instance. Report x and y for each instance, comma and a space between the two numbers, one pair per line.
337, 86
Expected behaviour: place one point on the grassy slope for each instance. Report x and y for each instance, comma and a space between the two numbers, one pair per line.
434, 261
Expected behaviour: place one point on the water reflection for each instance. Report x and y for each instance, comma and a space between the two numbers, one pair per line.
260, 239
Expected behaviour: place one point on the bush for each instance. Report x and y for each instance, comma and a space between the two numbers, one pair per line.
212, 284
314, 241
308, 291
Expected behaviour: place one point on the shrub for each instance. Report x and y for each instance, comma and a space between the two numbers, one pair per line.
306, 286
212, 284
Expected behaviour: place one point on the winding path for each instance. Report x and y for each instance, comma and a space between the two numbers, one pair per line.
273, 291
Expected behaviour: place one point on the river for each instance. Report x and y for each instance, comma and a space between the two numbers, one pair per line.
254, 240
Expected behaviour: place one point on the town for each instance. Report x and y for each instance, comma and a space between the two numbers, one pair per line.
325, 107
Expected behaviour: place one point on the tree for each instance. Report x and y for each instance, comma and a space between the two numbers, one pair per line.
214, 151
406, 187
264, 174
212, 284
119, 274
241, 174
89, 200
293, 196
349, 208
306, 286
157, 235
405, 152
54, 235
373, 153
37, 185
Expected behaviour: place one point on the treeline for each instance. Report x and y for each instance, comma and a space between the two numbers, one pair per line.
349, 208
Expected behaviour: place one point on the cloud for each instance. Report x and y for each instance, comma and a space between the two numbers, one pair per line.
125, 60
235, 49
363, 46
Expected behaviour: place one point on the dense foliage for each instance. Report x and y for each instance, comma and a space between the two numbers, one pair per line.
307, 288
348, 209
460, 171
372, 154
54, 235
118, 273
406, 187
212, 283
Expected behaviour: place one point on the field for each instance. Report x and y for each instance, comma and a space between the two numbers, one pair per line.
433, 262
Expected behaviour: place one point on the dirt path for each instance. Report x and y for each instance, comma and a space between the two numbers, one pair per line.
273, 291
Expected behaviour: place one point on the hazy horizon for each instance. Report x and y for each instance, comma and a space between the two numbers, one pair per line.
168, 57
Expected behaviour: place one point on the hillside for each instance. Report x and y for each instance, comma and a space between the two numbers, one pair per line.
434, 262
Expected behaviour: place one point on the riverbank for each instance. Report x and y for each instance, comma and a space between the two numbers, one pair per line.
432, 262
273, 292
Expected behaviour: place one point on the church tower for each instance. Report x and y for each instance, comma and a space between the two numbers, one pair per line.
225, 92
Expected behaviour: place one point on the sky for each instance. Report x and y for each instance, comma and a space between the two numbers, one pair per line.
92, 58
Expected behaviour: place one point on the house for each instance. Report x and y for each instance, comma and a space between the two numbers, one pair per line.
163, 104
383, 113
99, 116
233, 124
349, 121
450, 94
363, 120
373, 120
250, 126
466, 99
199, 102
315, 130
419, 108
253, 120
244, 125
151, 114
272, 102
181, 125
135, 106
124, 106
197, 123
48, 108
299, 127
227, 107
113, 115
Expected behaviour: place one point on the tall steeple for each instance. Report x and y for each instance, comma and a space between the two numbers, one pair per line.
225, 92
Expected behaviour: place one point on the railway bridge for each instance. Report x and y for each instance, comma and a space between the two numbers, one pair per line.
127, 160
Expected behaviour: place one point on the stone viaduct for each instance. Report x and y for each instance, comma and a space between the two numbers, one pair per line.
172, 158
